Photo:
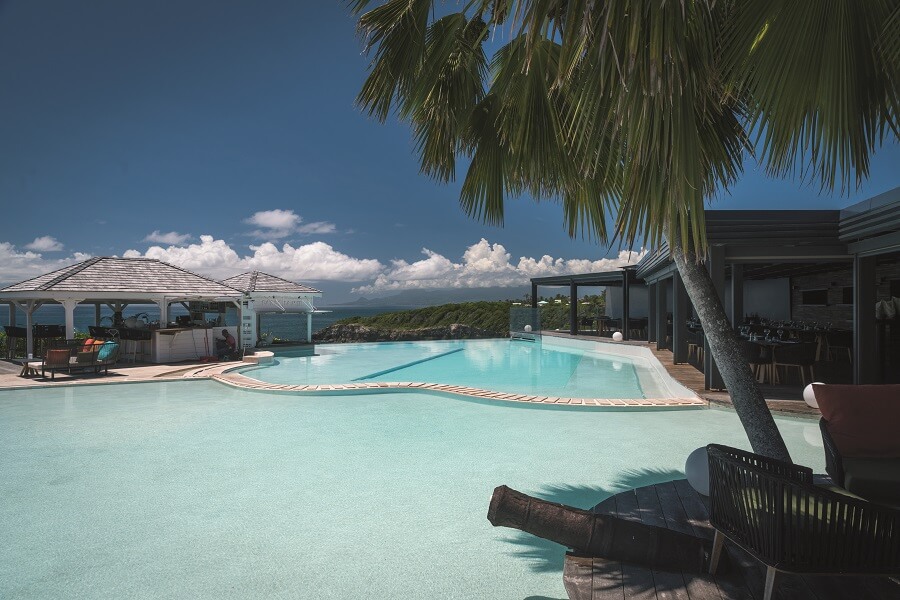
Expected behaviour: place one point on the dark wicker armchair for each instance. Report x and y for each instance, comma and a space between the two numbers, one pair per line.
875, 479
772, 510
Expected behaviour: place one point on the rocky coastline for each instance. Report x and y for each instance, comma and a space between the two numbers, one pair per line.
354, 332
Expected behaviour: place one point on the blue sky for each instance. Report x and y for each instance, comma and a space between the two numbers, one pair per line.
141, 126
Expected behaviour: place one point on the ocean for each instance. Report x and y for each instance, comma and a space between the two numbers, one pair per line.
284, 326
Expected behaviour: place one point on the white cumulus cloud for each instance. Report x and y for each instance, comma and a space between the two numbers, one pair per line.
317, 261
317, 227
210, 257
18, 266
277, 223
45, 243
172, 237
484, 264
275, 219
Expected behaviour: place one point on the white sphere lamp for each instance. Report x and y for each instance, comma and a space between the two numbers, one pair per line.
528, 328
617, 336
809, 395
697, 470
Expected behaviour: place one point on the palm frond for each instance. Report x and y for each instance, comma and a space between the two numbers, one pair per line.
637, 107
823, 91
489, 177
447, 88
396, 32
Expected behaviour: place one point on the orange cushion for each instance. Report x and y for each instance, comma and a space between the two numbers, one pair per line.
862, 419
98, 343
87, 345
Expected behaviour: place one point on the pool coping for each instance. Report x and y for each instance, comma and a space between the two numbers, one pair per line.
225, 374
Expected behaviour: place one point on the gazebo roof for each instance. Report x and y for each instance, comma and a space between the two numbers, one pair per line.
256, 281
121, 277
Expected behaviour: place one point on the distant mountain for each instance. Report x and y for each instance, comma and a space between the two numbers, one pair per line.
422, 298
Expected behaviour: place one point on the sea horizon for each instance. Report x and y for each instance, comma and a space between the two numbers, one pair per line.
284, 326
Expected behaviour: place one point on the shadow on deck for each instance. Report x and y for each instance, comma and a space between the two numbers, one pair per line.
675, 505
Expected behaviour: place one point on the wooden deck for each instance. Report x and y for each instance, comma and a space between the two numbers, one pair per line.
782, 399
677, 506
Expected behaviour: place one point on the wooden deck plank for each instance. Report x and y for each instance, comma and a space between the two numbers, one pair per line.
649, 508
607, 580
670, 586
638, 582
695, 511
793, 587
607, 507
672, 508
702, 587
734, 583
578, 579
836, 587
627, 506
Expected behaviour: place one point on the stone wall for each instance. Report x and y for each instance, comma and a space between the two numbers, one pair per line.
836, 312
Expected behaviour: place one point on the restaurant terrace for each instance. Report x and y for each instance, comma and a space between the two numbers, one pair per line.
818, 289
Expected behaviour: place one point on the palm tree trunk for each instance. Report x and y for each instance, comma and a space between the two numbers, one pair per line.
727, 350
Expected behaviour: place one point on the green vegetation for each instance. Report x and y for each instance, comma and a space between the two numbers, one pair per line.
555, 315
492, 316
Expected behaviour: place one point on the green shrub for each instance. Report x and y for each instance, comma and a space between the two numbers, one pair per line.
491, 316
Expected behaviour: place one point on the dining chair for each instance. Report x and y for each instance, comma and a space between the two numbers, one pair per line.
801, 356
760, 359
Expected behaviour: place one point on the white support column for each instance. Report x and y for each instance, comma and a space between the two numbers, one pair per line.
29, 330
12, 314
309, 327
163, 313
69, 308
29, 306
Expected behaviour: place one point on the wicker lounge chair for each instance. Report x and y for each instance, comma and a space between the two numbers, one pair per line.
772, 510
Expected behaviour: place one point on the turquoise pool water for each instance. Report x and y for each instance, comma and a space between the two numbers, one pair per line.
497, 365
198, 490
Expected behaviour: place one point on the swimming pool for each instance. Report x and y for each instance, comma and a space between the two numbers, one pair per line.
196, 490
546, 369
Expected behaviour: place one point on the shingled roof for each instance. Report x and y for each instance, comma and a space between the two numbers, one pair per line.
256, 281
136, 276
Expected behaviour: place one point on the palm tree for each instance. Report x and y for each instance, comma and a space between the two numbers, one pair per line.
642, 110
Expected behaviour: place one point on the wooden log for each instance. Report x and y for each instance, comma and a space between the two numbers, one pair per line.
598, 535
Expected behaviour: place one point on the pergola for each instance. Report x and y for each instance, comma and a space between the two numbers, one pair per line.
752, 245
264, 293
116, 283
624, 278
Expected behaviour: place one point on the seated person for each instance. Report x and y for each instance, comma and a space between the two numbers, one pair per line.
226, 348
